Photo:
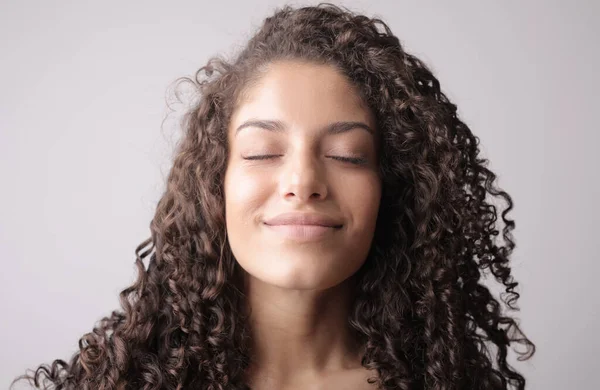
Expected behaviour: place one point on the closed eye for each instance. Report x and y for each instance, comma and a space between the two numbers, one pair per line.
352, 160
263, 157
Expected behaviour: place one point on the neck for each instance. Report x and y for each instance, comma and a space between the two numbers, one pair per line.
300, 333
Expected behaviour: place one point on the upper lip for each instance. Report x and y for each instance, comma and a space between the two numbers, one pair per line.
297, 218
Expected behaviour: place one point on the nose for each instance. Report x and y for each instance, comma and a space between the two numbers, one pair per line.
303, 178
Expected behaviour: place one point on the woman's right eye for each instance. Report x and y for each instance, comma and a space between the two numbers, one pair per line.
262, 157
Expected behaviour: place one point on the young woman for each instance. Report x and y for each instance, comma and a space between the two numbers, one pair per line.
326, 224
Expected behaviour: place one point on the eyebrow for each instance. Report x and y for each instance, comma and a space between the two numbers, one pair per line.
279, 126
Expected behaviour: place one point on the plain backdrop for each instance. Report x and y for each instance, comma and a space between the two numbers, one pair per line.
84, 152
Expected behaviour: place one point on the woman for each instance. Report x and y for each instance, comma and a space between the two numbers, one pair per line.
325, 225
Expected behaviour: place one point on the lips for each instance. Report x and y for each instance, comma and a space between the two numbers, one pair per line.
297, 218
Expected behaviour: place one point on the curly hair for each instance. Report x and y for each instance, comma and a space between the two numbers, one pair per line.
420, 309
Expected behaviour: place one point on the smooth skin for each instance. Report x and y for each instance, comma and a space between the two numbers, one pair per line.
299, 293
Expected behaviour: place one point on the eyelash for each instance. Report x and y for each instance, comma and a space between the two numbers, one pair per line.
352, 160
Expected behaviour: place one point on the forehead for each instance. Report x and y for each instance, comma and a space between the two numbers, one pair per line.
304, 94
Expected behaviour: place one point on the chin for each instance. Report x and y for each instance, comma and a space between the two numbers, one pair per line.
300, 279
299, 270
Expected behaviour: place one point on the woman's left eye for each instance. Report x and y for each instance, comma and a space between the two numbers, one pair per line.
353, 160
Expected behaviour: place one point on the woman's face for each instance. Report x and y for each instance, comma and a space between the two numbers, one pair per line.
300, 172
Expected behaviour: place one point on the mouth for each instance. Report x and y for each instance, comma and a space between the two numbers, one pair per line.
304, 232
305, 224
306, 218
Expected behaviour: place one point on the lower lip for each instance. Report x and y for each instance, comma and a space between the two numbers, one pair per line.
303, 232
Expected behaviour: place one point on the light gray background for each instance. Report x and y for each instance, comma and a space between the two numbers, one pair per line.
83, 157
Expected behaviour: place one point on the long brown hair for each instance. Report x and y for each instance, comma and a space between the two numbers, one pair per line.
421, 309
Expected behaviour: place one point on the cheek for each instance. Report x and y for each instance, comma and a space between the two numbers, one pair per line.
244, 195
362, 204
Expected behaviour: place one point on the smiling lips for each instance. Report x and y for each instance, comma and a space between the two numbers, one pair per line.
297, 218
303, 232
303, 226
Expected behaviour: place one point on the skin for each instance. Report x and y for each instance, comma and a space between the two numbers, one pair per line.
299, 293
